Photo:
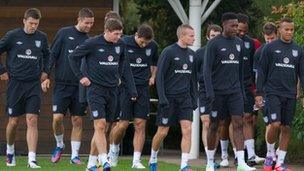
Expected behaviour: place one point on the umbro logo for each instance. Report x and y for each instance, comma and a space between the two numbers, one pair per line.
223, 49
70, 51
101, 50
19, 43
278, 51
71, 38
130, 51
176, 58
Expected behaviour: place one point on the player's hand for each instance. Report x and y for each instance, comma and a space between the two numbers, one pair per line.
45, 85
259, 101
4, 77
44, 76
85, 81
151, 81
299, 93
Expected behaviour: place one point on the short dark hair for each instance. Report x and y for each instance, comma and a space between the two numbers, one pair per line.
269, 28
112, 14
286, 19
85, 13
242, 18
32, 12
145, 31
213, 27
113, 24
229, 16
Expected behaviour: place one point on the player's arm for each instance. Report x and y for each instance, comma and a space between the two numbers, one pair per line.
241, 71
56, 48
162, 67
153, 67
45, 60
194, 84
74, 59
263, 66
209, 57
301, 72
4, 46
126, 73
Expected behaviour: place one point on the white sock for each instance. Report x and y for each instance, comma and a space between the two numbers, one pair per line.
240, 157
249, 144
136, 156
210, 157
184, 160
92, 161
234, 151
281, 157
114, 148
31, 156
75, 145
10, 149
59, 140
103, 158
153, 157
224, 148
270, 150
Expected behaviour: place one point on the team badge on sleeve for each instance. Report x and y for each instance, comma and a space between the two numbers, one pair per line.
238, 48
191, 58
247, 45
117, 49
295, 53
148, 52
38, 43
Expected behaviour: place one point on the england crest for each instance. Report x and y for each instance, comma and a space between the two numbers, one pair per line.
191, 58
148, 52
247, 45
117, 49
295, 53
238, 48
38, 43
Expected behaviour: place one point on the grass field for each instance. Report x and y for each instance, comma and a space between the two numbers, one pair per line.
64, 165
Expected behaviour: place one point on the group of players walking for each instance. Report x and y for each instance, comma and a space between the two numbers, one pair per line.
116, 70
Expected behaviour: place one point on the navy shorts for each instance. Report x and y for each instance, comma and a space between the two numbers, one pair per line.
179, 108
23, 97
249, 103
204, 103
102, 101
135, 109
227, 104
66, 98
280, 109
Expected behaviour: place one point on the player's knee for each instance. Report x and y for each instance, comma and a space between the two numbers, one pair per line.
247, 119
139, 125
57, 118
13, 122
162, 132
285, 129
276, 125
31, 122
77, 122
100, 127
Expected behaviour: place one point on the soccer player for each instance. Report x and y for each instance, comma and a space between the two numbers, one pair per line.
66, 90
142, 52
279, 68
26, 65
269, 34
205, 105
249, 82
105, 63
223, 77
177, 90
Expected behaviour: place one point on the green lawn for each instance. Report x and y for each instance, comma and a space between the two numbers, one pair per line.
64, 165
